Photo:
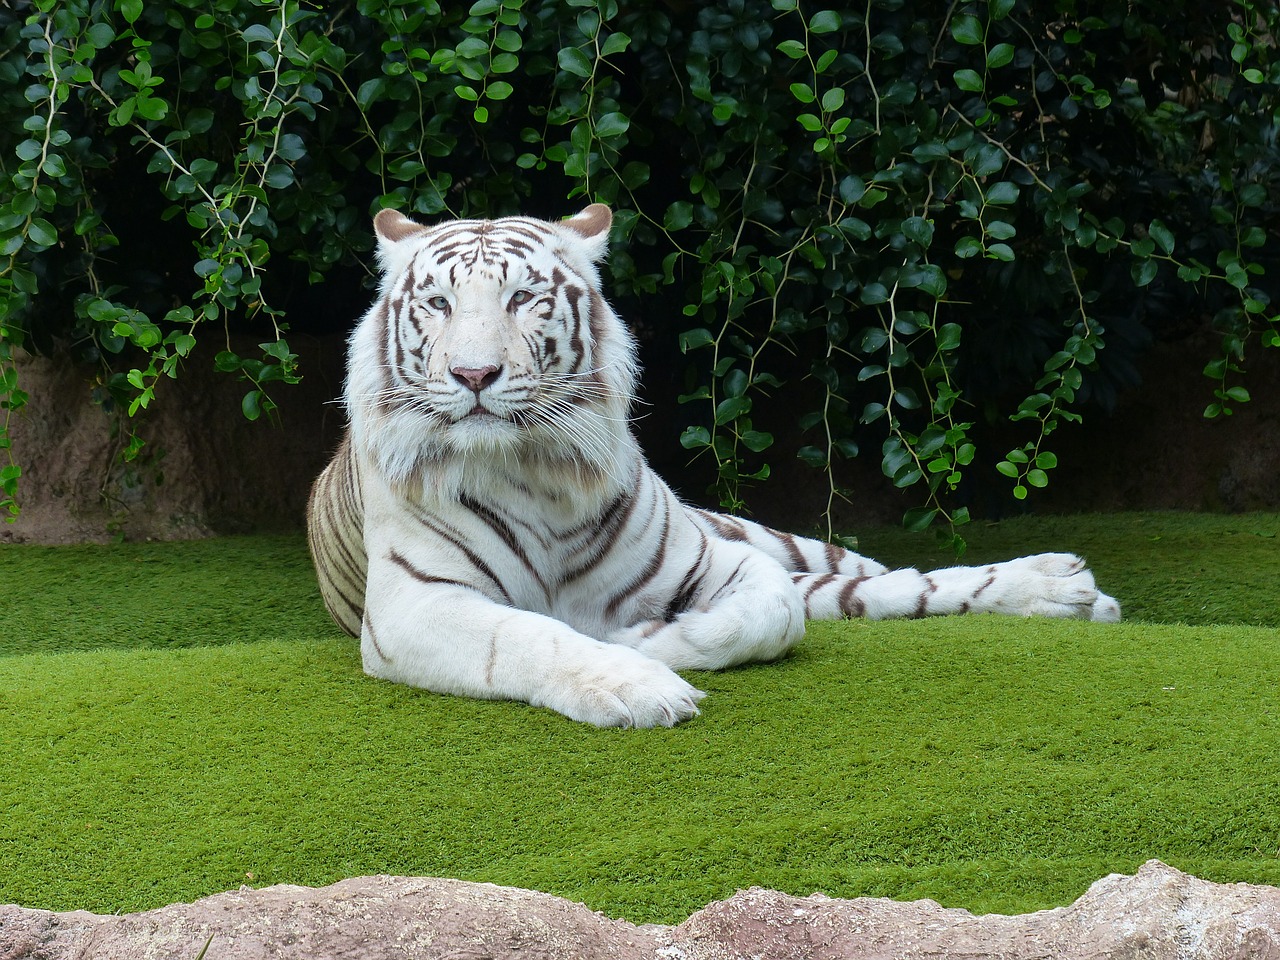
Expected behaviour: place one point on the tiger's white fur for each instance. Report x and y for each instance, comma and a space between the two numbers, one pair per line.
490, 528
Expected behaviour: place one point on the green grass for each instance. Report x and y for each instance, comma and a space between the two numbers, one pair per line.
179, 719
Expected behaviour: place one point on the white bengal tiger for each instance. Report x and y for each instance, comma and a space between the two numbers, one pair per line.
490, 528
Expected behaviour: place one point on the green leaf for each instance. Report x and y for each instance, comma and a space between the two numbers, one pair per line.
679, 215
616, 43
851, 189
693, 339
1162, 235
813, 457
1000, 55
258, 33
1003, 193
803, 92
731, 409
999, 9
874, 293
574, 60
824, 21
918, 519
967, 29
969, 80
100, 35
131, 10
949, 336
999, 230
1253, 237
510, 41
918, 229
1144, 271
612, 125
42, 233
792, 48
695, 437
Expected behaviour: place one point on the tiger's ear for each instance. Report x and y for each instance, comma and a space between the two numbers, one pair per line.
392, 227
592, 226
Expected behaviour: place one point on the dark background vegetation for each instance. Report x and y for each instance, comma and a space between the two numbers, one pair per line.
926, 235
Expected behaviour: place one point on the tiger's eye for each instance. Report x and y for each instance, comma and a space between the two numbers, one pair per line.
521, 297
438, 303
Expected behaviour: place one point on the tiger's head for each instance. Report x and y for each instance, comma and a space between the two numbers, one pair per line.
490, 340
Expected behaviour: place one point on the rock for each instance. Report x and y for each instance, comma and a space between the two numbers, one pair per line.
205, 469
1159, 913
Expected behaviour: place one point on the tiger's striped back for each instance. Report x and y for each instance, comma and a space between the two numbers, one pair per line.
335, 534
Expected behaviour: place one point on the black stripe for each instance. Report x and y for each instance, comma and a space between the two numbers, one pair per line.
817, 584
728, 584
647, 574
367, 625
430, 523
607, 529
726, 528
421, 577
690, 587
834, 556
789, 542
850, 604
503, 530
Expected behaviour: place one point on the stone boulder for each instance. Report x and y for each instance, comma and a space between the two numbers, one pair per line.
1158, 913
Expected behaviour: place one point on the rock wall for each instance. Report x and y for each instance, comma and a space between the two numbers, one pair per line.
1158, 914
204, 470
207, 470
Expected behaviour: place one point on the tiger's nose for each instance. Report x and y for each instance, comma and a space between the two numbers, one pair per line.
476, 378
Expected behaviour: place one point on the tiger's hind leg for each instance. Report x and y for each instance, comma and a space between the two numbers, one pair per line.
797, 554
1046, 585
837, 583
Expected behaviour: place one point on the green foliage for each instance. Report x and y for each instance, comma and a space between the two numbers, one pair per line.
159, 757
897, 224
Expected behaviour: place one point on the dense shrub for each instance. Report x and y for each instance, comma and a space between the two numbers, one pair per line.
899, 219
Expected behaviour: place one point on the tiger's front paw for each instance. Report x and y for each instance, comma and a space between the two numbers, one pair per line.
619, 687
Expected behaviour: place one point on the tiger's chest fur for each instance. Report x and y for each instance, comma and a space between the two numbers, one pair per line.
595, 557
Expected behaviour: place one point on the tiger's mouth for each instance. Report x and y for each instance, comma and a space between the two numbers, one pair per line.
479, 412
